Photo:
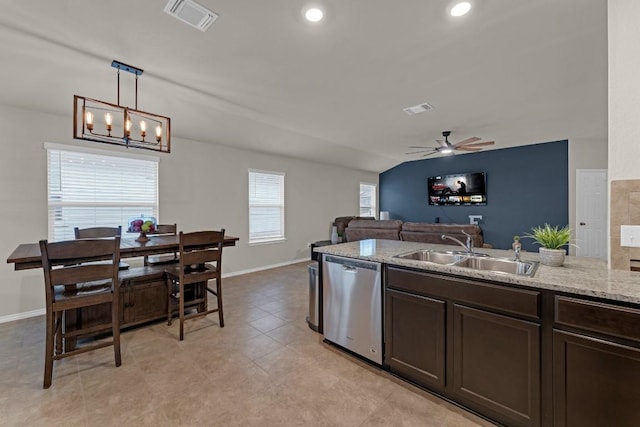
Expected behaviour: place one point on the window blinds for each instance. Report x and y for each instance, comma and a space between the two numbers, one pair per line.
266, 206
88, 189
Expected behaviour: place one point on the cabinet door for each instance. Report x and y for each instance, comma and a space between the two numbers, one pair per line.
496, 365
146, 300
415, 338
596, 382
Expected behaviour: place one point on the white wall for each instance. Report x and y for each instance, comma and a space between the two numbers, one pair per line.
624, 89
584, 153
202, 186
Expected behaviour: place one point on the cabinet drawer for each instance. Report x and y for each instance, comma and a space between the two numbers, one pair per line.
503, 298
608, 319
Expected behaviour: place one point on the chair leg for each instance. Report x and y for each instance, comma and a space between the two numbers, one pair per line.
58, 328
49, 348
115, 329
169, 288
219, 298
181, 307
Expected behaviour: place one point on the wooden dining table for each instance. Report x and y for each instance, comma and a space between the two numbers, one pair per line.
27, 255
143, 290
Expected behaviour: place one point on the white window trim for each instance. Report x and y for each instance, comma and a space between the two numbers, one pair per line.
376, 213
97, 151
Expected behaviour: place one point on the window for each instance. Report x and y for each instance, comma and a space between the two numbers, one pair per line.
92, 188
266, 206
368, 200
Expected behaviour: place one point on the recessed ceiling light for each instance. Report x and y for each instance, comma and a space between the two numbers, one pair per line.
314, 14
461, 8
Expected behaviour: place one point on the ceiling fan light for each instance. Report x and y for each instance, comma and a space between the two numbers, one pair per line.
446, 151
314, 14
461, 8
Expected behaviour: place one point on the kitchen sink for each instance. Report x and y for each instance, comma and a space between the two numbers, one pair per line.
499, 265
473, 260
437, 257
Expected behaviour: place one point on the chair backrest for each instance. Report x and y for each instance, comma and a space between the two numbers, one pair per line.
201, 247
74, 261
166, 229
97, 232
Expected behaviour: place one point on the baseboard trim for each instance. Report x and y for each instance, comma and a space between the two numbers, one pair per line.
23, 315
41, 311
265, 267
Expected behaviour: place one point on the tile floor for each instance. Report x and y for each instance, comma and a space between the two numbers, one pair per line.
265, 367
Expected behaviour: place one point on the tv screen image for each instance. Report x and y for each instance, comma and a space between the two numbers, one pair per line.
458, 189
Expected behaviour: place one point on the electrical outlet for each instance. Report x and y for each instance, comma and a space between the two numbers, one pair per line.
630, 236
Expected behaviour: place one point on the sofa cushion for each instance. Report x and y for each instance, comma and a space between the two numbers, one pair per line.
432, 233
367, 229
342, 222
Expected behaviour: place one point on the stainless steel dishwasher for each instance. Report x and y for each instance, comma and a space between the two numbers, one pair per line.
352, 305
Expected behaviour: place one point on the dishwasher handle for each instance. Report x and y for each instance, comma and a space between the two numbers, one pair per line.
351, 264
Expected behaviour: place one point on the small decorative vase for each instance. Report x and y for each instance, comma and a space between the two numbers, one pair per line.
516, 245
552, 257
334, 234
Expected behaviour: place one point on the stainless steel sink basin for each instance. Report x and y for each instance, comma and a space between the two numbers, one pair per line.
437, 257
474, 260
499, 265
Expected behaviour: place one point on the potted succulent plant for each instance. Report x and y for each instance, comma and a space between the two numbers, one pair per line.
552, 241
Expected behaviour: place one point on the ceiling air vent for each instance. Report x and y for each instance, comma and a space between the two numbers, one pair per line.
416, 109
192, 13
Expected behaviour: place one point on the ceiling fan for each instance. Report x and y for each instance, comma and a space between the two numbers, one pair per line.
446, 147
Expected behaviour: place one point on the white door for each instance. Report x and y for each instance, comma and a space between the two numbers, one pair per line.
591, 213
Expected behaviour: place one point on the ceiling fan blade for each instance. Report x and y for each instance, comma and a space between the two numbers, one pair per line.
480, 144
467, 141
443, 144
428, 154
468, 149
420, 146
420, 151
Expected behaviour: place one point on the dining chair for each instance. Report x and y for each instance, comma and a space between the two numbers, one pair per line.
97, 232
100, 232
200, 260
77, 274
163, 230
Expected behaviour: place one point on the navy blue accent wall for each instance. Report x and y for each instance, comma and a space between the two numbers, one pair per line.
526, 187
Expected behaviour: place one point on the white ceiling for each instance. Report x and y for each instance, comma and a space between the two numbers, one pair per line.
514, 71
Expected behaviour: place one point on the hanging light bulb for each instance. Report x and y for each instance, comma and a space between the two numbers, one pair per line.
158, 133
89, 119
143, 129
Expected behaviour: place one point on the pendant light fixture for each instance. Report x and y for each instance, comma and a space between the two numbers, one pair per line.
100, 121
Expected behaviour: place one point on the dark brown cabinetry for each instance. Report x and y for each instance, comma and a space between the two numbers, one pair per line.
496, 365
596, 365
416, 338
474, 342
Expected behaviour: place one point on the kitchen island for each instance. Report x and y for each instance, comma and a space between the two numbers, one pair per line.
559, 348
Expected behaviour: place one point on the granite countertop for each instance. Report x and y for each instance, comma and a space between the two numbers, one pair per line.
579, 275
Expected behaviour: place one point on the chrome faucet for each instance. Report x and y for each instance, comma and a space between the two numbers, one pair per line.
467, 247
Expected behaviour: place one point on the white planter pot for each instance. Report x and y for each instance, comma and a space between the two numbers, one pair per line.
552, 257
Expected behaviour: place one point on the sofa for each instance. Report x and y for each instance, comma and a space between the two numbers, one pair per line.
342, 222
432, 233
361, 229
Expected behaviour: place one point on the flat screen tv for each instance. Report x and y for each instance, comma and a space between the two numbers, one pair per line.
462, 189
